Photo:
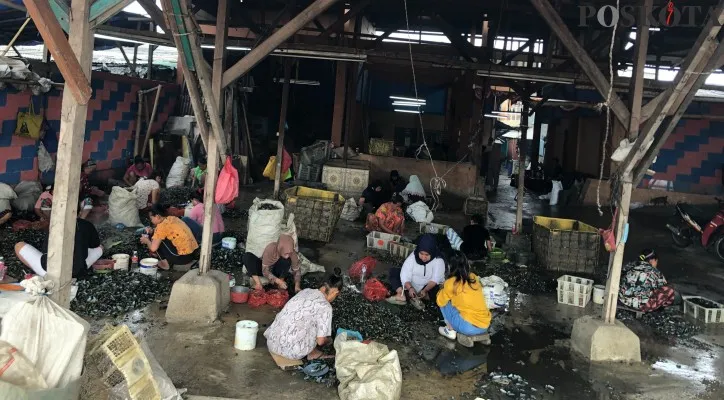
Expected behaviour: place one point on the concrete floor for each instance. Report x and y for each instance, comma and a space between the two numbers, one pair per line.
531, 340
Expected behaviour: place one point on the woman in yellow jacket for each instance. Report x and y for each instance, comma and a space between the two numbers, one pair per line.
462, 303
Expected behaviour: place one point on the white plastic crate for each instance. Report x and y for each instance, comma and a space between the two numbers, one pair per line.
574, 291
429, 227
381, 240
401, 250
707, 315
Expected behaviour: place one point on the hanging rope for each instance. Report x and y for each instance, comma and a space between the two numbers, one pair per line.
608, 113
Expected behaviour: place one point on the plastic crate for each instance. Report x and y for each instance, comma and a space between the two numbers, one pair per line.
401, 250
316, 211
574, 291
435, 229
701, 313
381, 240
566, 245
309, 172
476, 205
317, 153
381, 147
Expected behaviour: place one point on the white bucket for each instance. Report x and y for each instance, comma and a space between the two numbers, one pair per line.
228, 243
599, 291
149, 266
245, 338
121, 261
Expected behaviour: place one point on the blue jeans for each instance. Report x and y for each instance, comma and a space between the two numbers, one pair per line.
455, 320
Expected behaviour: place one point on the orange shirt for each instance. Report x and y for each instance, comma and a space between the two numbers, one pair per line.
178, 233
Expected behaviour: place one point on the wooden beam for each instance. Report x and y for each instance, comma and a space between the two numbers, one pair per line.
508, 58
338, 25
73, 113
550, 15
123, 52
636, 91
155, 13
282, 126
319, 25
139, 114
464, 47
103, 10
522, 153
266, 47
616, 259
150, 120
65, 58
288, 8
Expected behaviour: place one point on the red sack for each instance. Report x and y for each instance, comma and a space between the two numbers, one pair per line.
257, 298
355, 271
375, 290
21, 225
227, 186
277, 298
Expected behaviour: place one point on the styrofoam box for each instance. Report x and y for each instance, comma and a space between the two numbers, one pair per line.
574, 291
381, 240
401, 250
429, 227
707, 315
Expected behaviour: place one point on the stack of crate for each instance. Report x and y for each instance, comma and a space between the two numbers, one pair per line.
312, 159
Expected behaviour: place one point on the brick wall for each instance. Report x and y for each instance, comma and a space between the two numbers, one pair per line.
110, 125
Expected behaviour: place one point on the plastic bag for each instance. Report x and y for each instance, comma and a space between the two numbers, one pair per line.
366, 371
179, 171
51, 337
350, 211
122, 207
495, 290
375, 290
27, 193
227, 187
455, 240
264, 226
624, 147
355, 271
277, 298
308, 266
608, 235
420, 212
257, 298
30, 124
16, 369
45, 161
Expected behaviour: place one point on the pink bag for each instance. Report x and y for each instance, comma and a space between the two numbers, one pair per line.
227, 187
609, 236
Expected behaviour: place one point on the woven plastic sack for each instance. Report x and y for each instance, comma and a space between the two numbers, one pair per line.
227, 186
277, 298
16, 369
350, 211
257, 298
122, 207
179, 171
264, 226
355, 271
27, 194
375, 290
366, 371
6, 192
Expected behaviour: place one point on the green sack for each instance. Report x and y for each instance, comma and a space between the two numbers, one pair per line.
30, 124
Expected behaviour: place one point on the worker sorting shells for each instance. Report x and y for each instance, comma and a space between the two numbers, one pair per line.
420, 276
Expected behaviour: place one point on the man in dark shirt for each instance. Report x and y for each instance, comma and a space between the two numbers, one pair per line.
86, 251
476, 239
397, 183
373, 197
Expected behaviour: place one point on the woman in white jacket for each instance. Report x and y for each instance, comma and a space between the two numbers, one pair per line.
420, 276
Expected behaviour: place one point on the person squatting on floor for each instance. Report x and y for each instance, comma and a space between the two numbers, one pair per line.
171, 239
278, 261
420, 275
87, 251
643, 287
389, 218
476, 239
462, 303
305, 322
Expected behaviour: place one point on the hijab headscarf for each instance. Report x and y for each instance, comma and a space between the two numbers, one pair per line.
428, 244
274, 251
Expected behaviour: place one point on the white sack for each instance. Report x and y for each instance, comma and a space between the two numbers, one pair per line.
264, 226
27, 194
308, 266
366, 371
555, 191
45, 161
18, 370
350, 211
4, 205
7, 192
51, 337
290, 228
122, 207
420, 212
495, 290
624, 147
178, 173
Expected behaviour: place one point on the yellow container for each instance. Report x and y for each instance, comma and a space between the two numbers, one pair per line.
566, 245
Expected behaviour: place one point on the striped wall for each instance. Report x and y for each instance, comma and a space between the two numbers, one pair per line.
110, 125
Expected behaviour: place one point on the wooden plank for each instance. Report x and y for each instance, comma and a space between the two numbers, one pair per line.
150, 120
508, 58
61, 236
45, 21
280, 36
155, 13
282, 125
637, 78
616, 260
139, 113
338, 25
464, 47
550, 15
103, 10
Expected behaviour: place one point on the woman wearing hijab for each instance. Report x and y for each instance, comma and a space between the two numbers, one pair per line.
414, 191
389, 218
643, 287
278, 261
420, 275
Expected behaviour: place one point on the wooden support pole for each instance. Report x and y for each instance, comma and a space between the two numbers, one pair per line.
339, 102
151, 48
641, 46
139, 113
222, 25
266, 47
103, 10
523, 149
282, 125
526, 46
550, 15
537, 125
616, 259
155, 13
123, 53
76, 81
150, 120
61, 236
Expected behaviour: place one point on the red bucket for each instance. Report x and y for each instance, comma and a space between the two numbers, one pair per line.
239, 294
